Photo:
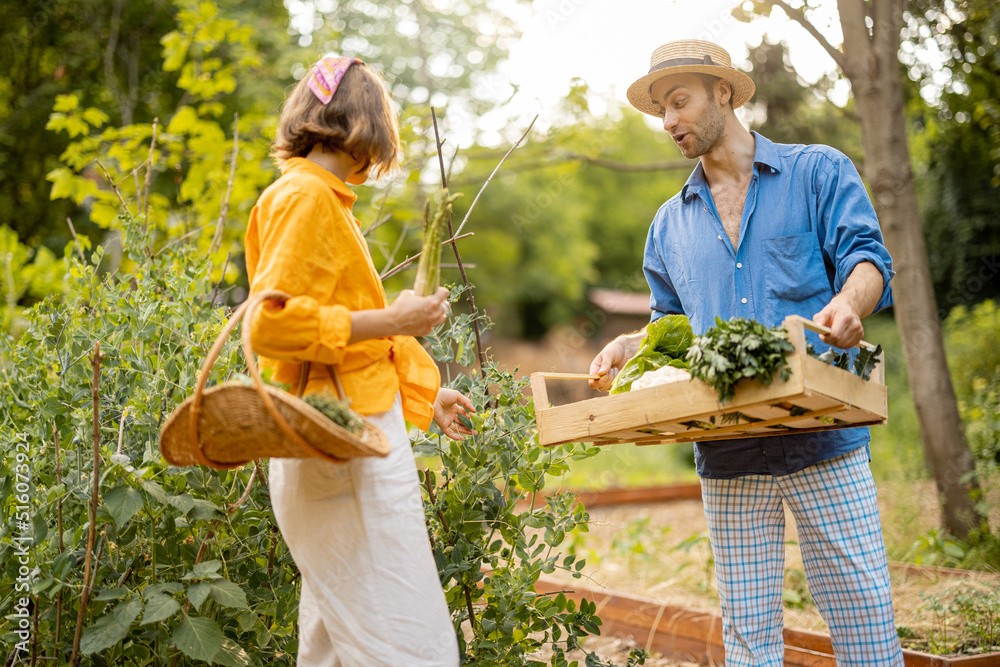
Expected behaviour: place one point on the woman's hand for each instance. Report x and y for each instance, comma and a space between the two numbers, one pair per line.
414, 315
448, 407
408, 315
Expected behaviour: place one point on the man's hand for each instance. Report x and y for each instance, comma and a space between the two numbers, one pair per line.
611, 359
857, 299
845, 326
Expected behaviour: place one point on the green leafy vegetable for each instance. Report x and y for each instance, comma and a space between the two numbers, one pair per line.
665, 344
864, 362
736, 350
337, 410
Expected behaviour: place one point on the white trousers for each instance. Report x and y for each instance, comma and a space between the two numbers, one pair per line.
371, 596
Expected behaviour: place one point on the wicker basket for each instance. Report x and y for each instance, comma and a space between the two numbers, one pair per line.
231, 424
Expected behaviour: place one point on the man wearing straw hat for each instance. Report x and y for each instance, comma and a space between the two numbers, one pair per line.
761, 231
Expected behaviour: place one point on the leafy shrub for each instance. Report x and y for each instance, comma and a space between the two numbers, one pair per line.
974, 361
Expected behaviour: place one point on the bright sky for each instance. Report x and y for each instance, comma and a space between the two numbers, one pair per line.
608, 44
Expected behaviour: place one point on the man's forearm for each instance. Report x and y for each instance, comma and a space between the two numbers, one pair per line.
863, 289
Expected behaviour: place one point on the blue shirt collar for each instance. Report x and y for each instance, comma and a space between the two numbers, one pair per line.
764, 153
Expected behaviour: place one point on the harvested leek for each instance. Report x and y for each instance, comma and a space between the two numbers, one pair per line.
429, 269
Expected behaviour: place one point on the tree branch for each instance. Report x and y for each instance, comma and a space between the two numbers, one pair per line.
409, 260
95, 362
502, 160
578, 157
857, 39
217, 238
458, 258
149, 168
622, 166
799, 17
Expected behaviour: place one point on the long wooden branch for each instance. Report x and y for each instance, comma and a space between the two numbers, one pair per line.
799, 17
220, 225
95, 362
500, 164
144, 200
603, 163
59, 526
409, 260
480, 353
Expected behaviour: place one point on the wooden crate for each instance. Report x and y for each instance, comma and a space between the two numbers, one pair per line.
815, 397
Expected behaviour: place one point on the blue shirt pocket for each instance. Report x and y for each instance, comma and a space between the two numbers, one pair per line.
797, 280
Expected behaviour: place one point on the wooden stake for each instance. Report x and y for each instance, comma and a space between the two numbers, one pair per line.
95, 362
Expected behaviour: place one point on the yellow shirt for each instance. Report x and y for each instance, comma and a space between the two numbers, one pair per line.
304, 240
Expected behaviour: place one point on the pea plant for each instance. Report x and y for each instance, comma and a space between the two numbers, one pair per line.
112, 557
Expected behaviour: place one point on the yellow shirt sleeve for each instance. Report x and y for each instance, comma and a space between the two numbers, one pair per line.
298, 244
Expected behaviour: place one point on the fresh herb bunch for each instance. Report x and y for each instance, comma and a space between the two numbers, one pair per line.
337, 410
736, 350
864, 362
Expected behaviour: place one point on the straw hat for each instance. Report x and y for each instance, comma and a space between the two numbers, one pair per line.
689, 55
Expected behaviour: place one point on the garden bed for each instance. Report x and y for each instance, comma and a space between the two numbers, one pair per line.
658, 554
693, 635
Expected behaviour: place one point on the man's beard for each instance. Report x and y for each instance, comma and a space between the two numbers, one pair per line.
709, 133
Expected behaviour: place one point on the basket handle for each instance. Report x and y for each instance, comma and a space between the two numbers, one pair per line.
244, 313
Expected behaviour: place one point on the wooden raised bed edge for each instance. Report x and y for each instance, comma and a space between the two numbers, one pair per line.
695, 635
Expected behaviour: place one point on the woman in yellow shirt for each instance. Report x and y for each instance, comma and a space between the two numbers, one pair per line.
371, 594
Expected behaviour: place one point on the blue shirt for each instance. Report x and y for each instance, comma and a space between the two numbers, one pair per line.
807, 222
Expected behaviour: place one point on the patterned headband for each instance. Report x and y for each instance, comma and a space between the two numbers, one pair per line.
327, 74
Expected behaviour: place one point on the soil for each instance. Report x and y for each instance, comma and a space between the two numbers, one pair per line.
616, 650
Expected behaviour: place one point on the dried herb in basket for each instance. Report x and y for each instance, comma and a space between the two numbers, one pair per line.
736, 350
336, 410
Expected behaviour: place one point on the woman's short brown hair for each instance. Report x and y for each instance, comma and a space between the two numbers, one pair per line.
359, 121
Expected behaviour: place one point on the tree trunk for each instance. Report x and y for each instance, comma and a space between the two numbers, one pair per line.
870, 63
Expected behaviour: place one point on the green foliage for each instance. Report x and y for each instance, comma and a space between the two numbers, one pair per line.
666, 343
795, 591
956, 147
974, 361
935, 547
180, 569
788, 110
210, 51
966, 620
736, 350
491, 537
25, 275
862, 362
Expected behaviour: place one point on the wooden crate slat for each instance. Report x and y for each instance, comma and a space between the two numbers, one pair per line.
726, 432
765, 411
844, 386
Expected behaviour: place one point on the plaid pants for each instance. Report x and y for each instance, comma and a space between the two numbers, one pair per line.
835, 510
